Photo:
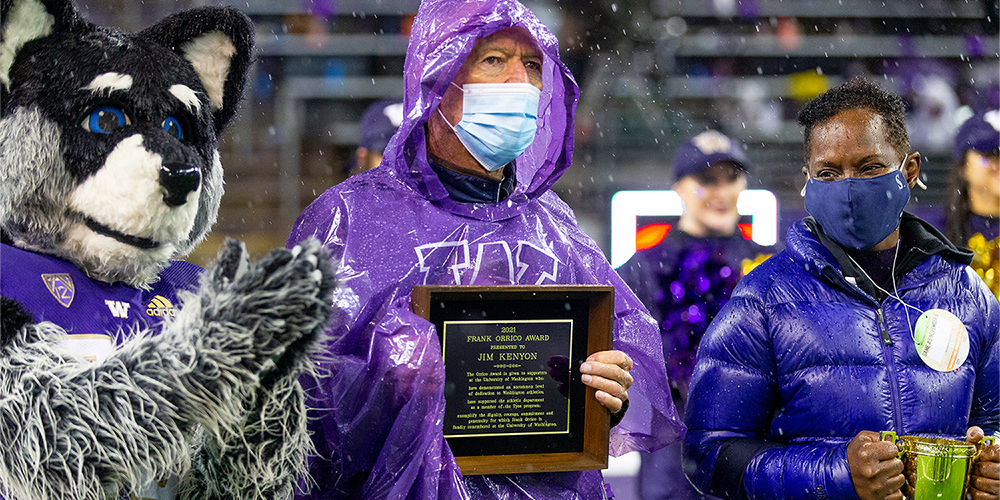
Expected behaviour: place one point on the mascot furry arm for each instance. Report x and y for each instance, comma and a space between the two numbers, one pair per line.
74, 429
108, 170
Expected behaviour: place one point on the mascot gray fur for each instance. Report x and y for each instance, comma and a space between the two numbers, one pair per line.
108, 170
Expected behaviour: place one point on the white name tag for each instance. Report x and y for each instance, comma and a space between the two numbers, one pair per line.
941, 339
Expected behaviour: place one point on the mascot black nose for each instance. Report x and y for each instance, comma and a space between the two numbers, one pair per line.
178, 179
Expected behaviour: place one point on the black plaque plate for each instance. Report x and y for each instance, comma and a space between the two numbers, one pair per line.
515, 402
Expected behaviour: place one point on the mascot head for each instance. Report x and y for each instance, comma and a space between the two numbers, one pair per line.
108, 139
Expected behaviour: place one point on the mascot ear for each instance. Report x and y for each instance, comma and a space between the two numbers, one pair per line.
218, 42
27, 20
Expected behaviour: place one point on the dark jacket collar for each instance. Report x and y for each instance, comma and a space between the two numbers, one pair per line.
820, 255
465, 188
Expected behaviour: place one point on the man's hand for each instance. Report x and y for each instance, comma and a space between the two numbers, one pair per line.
984, 483
608, 372
876, 470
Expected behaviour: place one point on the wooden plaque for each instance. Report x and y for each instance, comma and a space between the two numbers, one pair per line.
514, 399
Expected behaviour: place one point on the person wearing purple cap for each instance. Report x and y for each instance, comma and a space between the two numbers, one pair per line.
972, 215
686, 279
462, 197
869, 320
377, 126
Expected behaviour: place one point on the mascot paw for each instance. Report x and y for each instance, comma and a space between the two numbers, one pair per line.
278, 307
283, 301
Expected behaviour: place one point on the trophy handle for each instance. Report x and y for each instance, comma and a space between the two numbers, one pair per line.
892, 438
987, 441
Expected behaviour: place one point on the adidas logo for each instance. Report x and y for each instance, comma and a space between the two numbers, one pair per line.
160, 306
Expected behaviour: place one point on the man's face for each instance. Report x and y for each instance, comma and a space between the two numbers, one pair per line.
709, 199
510, 55
854, 143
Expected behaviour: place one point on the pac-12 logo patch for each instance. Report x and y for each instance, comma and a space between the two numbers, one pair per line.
61, 287
160, 306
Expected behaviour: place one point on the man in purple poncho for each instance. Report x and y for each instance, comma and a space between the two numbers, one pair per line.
462, 197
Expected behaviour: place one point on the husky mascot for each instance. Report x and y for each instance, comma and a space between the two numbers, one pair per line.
124, 374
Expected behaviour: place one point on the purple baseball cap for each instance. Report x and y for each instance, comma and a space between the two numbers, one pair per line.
379, 123
981, 132
704, 149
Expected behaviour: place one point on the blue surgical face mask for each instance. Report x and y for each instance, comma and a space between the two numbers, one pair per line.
498, 121
858, 212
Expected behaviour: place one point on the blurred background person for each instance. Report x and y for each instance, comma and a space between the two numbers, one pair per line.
686, 279
972, 212
930, 122
378, 124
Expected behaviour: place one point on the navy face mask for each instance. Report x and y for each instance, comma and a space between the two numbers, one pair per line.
858, 212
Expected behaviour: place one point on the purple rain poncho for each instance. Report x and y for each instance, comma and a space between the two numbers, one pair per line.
377, 416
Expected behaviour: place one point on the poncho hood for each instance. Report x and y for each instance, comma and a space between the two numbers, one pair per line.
443, 35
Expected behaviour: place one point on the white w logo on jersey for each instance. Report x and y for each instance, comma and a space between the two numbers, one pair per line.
118, 309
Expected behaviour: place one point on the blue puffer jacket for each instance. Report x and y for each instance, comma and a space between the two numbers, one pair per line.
800, 360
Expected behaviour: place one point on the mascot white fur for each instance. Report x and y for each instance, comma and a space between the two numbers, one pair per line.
124, 373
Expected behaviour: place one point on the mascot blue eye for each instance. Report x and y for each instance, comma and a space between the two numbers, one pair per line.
106, 119
173, 127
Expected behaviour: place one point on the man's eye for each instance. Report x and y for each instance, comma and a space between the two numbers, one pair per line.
492, 60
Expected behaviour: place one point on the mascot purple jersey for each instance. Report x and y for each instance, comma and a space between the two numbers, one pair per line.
377, 419
97, 316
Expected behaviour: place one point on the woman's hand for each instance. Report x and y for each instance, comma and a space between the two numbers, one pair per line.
876, 470
984, 483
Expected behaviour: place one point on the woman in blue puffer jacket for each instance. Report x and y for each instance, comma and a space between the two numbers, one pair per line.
815, 352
